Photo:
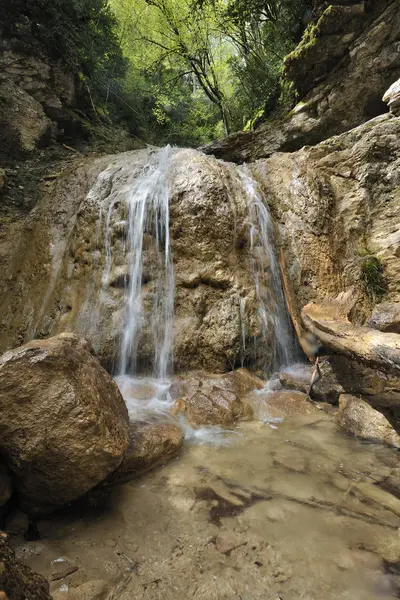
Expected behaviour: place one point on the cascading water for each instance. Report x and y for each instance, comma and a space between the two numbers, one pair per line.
277, 330
146, 207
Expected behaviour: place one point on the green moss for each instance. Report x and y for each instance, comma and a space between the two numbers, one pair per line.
373, 279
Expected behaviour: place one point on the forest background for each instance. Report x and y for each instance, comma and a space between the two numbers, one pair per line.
183, 72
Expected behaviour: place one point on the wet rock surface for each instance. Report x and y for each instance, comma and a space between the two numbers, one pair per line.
17, 581
71, 427
357, 417
326, 389
150, 444
210, 249
205, 399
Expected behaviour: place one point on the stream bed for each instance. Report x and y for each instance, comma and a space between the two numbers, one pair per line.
292, 511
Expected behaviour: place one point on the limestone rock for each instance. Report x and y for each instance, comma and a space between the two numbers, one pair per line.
23, 123
64, 422
357, 417
90, 590
150, 444
392, 97
288, 404
324, 44
385, 317
17, 580
214, 399
318, 197
59, 286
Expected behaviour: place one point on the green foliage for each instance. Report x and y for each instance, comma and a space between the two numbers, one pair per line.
80, 33
178, 71
373, 279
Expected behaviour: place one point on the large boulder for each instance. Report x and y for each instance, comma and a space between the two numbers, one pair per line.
207, 399
63, 420
357, 417
150, 444
17, 581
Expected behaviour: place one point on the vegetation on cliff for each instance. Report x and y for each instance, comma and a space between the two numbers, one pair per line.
180, 71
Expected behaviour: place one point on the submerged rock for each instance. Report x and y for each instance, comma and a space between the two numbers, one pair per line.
17, 580
214, 399
150, 444
357, 417
288, 404
64, 423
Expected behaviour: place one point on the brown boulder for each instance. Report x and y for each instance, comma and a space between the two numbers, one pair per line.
150, 444
17, 581
360, 419
63, 420
215, 399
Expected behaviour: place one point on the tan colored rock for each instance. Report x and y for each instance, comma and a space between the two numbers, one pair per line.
214, 399
288, 404
150, 444
23, 123
64, 422
392, 97
59, 286
359, 418
90, 590
17, 581
385, 317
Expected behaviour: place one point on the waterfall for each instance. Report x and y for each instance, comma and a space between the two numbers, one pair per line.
277, 329
145, 203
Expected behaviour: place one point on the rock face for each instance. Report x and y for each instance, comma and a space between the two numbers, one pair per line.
64, 423
23, 123
385, 317
357, 64
392, 97
288, 404
63, 251
33, 98
360, 419
18, 581
337, 205
214, 400
150, 444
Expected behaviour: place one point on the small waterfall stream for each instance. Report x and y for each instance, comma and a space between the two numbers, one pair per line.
277, 329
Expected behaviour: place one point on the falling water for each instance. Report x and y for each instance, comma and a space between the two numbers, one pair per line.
277, 330
148, 212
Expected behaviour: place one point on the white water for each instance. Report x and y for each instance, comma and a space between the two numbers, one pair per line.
278, 338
